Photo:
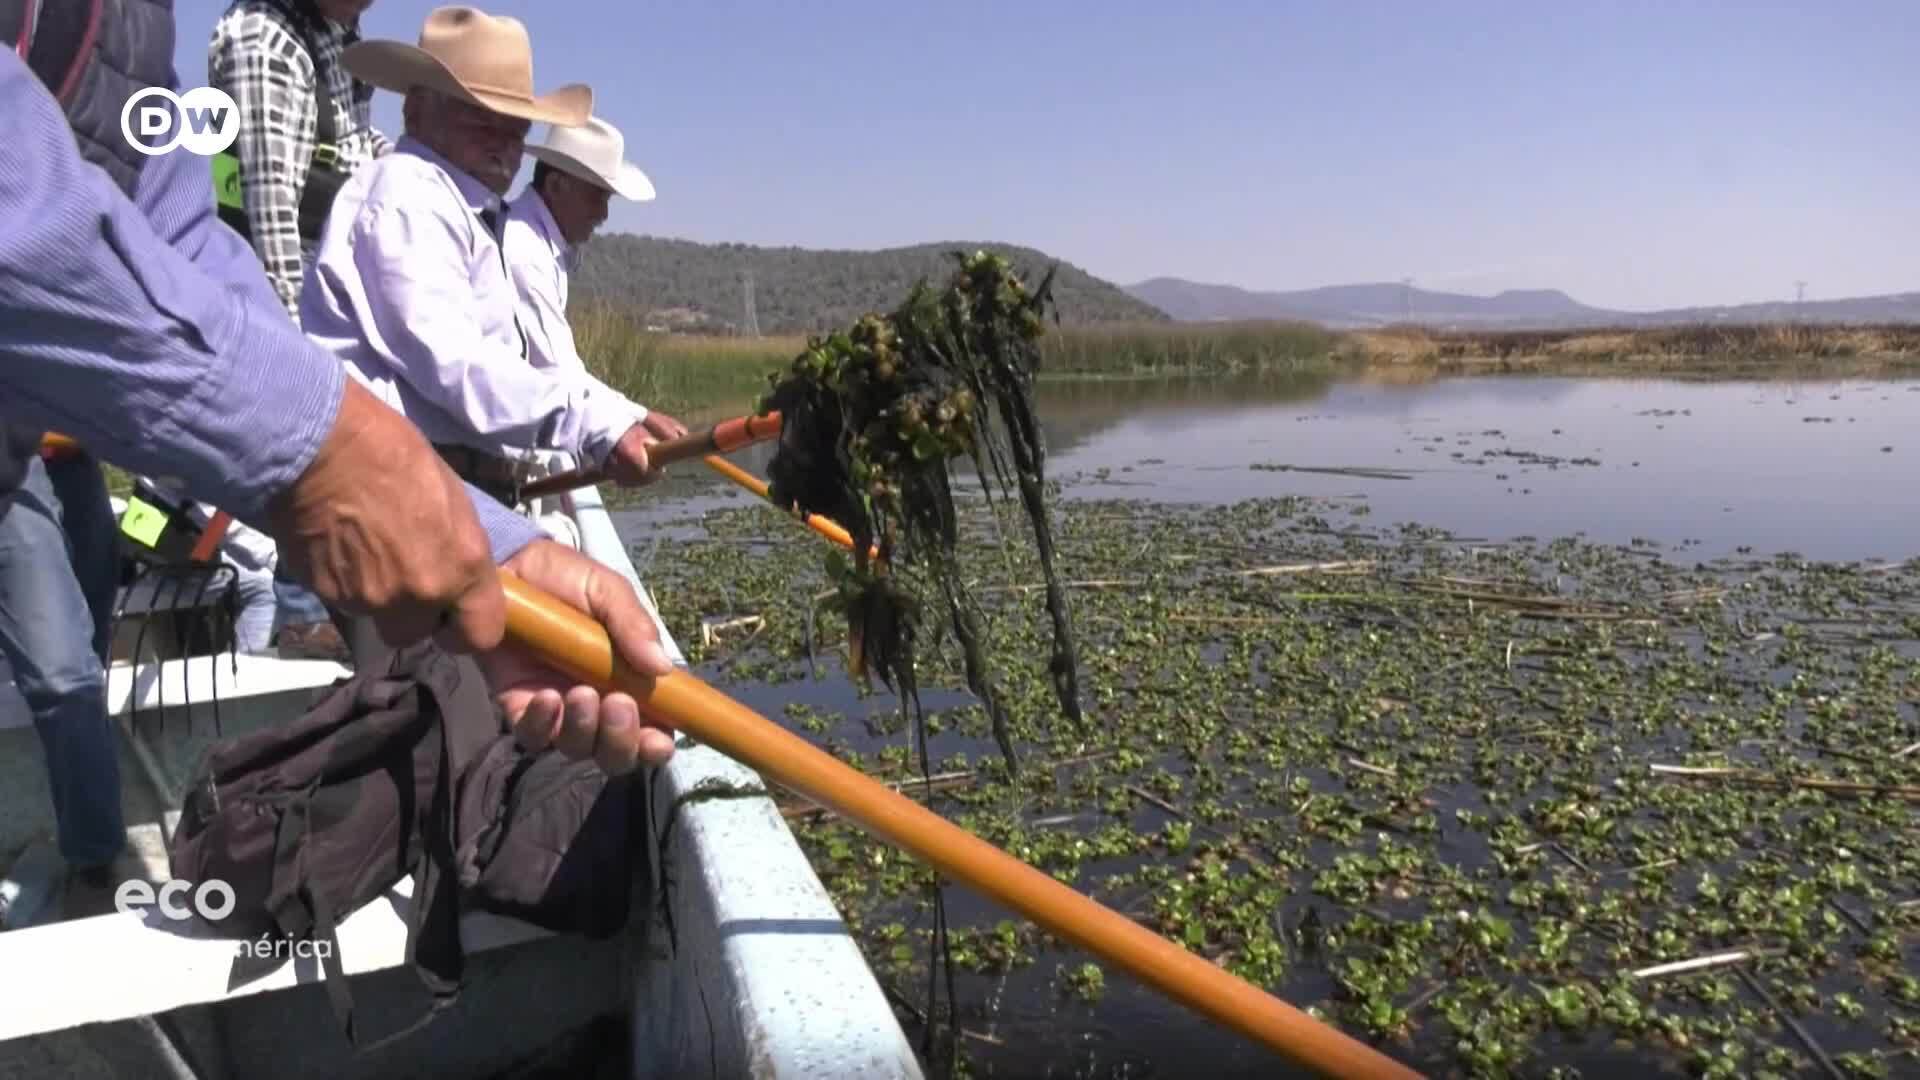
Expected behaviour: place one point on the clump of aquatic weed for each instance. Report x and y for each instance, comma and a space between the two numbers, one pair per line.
870, 420
1541, 808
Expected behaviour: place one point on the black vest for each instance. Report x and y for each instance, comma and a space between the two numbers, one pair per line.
92, 55
325, 174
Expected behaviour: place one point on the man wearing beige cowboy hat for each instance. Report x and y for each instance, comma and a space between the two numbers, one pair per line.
409, 286
577, 171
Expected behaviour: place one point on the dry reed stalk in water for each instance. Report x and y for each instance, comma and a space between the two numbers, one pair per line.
1907, 792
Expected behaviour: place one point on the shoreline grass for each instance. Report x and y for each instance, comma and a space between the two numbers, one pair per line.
1791, 350
700, 376
694, 375
1161, 349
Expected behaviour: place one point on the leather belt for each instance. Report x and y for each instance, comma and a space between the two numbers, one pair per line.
497, 476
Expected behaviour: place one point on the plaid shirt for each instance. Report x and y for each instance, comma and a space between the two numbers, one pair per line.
258, 55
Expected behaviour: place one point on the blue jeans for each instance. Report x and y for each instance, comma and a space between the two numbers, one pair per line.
254, 625
59, 568
297, 604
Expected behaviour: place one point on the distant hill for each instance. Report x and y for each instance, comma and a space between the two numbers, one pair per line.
1350, 307
681, 284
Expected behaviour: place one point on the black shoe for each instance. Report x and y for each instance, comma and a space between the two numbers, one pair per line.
89, 892
97, 877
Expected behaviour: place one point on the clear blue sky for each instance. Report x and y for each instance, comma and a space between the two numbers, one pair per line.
1635, 155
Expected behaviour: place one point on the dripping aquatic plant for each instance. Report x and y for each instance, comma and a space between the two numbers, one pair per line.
871, 420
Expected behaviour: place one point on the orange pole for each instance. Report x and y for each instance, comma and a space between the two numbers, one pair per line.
826, 527
572, 642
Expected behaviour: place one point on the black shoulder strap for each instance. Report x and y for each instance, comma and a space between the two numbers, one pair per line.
17, 19
434, 948
307, 22
53, 38
326, 135
433, 935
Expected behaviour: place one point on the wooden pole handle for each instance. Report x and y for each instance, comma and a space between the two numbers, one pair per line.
722, 438
560, 482
572, 642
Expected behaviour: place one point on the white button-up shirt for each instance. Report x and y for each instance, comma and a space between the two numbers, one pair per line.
410, 290
539, 262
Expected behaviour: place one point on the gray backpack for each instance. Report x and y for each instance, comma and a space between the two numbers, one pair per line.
398, 772
547, 840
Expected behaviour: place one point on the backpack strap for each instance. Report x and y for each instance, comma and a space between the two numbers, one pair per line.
433, 919
28, 12
433, 926
291, 912
302, 903
326, 131
433, 930
434, 949
56, 43
326, 128
340, 995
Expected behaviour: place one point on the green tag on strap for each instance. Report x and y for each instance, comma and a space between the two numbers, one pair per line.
226, 181
143, 522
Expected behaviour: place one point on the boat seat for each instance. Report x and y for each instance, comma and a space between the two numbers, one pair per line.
159, 753
129, 965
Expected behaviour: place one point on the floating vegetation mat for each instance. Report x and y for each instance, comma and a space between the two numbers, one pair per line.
1534, 809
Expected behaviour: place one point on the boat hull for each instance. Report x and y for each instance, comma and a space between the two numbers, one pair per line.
760, 976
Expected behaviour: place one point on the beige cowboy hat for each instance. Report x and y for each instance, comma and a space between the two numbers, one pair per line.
595, 152
468, 54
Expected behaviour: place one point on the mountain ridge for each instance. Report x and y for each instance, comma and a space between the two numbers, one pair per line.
1367, 305
688, 285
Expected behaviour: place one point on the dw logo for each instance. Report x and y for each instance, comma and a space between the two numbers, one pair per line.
204, 120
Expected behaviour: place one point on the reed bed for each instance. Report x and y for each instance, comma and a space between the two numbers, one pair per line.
693, 372
1160, 349
705, 372
1792, 350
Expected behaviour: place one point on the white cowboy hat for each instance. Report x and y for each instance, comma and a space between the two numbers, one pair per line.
468, 54
595, 152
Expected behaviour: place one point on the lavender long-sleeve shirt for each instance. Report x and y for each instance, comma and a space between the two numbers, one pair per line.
147, 330
409, 289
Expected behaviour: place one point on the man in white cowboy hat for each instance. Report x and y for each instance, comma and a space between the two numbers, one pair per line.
577, 171
409, 286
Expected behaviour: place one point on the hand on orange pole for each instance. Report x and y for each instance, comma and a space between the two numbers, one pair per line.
572, 642
724, 437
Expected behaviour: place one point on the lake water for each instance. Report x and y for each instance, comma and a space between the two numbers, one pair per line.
1822, 469
1698, 470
